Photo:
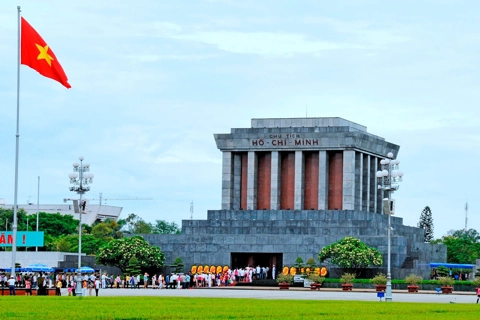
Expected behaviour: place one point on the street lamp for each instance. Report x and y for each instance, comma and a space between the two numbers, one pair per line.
388, 177
80, 178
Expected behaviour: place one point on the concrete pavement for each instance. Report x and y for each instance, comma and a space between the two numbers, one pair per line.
293, 294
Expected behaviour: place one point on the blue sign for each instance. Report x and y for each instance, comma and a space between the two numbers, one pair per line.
24, 239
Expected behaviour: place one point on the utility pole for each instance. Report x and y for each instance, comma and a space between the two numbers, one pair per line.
191, 210
466, 216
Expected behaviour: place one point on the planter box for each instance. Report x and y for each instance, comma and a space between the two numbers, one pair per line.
347, 287
315, 286
22, 292
447, 289
380, 287
412, 288
284, 286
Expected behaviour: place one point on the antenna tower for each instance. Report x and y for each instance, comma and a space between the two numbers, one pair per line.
466, 215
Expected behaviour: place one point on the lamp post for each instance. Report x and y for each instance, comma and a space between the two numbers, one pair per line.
80, 178
388, 177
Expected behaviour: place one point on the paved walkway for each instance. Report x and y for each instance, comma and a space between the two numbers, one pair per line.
294, 294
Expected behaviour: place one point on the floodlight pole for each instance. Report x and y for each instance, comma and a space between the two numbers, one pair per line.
80, 180
389, 176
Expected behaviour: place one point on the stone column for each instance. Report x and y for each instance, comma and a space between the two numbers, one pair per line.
237, 178
227, 181
348, 180
322, 181
252, 181
275, 182
358, 181
366, 183
374, 163
380, 193
299, 177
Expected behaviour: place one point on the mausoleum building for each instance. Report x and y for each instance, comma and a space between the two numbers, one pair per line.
291, 187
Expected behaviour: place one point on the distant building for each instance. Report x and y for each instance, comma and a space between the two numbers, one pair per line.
93, 211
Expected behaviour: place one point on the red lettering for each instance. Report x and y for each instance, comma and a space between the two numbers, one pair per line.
298, 142
2, 238
260, 142
254, 142
308, 142
280, 142
274, 143
10, 239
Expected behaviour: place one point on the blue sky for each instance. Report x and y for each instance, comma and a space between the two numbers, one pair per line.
153, 80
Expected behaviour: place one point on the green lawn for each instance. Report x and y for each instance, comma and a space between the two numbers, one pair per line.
226, 308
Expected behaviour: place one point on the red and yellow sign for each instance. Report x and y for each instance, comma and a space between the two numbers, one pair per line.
219, 269
323, 271
200, 269
285, 270
212, 269
194, 269
293, 271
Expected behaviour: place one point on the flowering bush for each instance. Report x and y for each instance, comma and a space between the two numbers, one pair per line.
282, 278
119, 251
380, 278
351, 254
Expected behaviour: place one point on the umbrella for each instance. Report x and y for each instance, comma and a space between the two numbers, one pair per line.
10, 269
39, 267
85, 270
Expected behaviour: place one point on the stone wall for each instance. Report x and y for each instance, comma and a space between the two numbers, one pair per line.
295, 233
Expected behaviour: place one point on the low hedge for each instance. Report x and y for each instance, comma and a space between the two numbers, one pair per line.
399, 281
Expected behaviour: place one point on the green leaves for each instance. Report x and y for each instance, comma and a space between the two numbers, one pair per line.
118, 252
351, 253
426, 223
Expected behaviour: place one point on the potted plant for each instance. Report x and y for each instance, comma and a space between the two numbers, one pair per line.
316, 281
284, 281
380, 282
412, 282
347, 281
446, 284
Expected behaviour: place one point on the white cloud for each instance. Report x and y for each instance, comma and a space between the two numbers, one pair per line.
262, 43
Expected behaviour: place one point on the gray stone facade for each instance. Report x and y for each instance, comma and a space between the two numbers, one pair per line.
295, 233
292, 233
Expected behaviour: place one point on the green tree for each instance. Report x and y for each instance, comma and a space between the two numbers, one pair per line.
462, 247
164, 227
133, 267
351, 254
107, 230
178, 265
133, 224
426, 223
119, 251
56, 224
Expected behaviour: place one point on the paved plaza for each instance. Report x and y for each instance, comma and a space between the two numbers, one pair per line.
293, 294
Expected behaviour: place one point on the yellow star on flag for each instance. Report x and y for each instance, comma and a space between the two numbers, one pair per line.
44, 54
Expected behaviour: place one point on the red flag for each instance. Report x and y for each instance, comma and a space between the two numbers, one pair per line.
37, 55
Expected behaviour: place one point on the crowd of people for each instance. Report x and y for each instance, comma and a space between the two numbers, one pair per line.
90, 282
43, 281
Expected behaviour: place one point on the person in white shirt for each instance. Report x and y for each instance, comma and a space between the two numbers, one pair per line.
97, 286
104, 283
11, 285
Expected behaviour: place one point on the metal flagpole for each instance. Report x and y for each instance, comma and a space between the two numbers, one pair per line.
17, 138
38, 205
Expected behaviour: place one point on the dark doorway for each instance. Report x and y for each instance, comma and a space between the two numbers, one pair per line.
262, 259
